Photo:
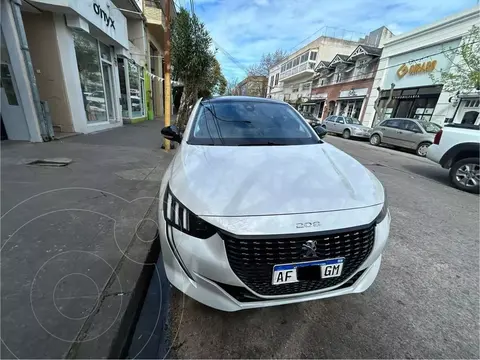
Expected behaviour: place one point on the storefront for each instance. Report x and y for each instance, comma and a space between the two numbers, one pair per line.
74, 47
132, 90
414, 103
413, 63
350, 102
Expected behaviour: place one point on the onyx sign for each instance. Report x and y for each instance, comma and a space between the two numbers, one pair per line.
108, 20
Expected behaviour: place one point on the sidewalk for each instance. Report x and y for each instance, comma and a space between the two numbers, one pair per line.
75, 241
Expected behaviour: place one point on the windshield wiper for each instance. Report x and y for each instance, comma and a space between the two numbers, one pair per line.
268, 143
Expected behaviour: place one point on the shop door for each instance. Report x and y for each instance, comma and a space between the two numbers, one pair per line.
13, 117
403, 109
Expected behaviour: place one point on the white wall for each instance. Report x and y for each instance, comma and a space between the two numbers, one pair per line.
85, 8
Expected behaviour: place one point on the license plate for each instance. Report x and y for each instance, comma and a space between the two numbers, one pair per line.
288, 273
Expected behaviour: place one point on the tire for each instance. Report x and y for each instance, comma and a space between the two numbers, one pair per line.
375, 140
465, 173
346, 134
422, 149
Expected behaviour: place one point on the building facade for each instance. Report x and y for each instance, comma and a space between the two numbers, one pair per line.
77, 66
252, 86
412, 62
342, 86
291, 80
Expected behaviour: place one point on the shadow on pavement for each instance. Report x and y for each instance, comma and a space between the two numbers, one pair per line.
434, 173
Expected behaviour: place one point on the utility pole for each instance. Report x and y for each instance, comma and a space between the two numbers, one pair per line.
168, 84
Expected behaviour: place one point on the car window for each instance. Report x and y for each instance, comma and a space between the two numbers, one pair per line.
331, 118
394, 123
340, 120
411, 126
350, 120
430, 127
243, 123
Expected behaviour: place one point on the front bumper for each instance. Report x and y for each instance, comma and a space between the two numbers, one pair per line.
200, 269
364, 135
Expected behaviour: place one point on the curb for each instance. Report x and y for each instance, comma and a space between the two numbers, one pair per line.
135, 280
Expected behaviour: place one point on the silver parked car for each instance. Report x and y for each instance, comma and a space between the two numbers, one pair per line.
406, 133
347, 126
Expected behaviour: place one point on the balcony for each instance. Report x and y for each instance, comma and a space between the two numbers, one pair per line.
298, 71
154, 13
155, 19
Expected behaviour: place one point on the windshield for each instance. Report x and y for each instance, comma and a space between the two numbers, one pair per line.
350, 120
430, 127
243, 123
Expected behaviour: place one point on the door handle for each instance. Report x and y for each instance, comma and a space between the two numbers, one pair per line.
399, 132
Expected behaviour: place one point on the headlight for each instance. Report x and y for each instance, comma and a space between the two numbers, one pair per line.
384, 211
179, 217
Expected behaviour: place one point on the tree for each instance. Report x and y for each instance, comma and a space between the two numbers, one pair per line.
191, 59
380, 110
215, 83
231, 87
464, 73
267, 61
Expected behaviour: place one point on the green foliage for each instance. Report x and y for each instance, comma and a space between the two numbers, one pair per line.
464, 73
191, 57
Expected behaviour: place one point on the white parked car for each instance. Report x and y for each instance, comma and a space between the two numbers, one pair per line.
457, 147
258, 211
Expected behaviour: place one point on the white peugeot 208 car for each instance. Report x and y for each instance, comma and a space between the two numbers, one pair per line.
256, 210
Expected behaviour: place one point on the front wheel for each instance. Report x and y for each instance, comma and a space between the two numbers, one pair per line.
422, 149
465, 174
346, 134
375, 140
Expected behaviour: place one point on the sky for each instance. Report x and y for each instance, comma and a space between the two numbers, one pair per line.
246, 29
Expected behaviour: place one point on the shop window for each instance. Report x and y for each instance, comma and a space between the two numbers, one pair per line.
123, 88
91, 79
136, 80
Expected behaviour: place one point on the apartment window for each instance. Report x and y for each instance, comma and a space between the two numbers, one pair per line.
289, 65
304, 58
272, 79
361, 67
296, 61
283, 68
294, 88
276, 79
337, 77
306, 86
313, 55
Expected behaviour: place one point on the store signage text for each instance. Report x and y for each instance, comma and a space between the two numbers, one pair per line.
100, 12
416, 69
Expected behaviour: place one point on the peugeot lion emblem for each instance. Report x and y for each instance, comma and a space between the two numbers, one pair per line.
310, 248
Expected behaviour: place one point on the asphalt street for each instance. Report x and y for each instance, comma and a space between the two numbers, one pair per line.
424, 303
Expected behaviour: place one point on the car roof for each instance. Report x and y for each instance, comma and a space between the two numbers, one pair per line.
243, 99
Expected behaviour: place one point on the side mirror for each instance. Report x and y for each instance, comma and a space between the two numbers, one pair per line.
172, 133
321, 131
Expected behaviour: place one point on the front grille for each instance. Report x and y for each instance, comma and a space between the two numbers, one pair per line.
252, 260
244, 295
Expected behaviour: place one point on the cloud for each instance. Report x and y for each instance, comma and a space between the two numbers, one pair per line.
246, 30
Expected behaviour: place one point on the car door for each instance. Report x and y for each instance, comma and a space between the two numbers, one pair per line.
409, 135
390, 130
340, 124
329, 123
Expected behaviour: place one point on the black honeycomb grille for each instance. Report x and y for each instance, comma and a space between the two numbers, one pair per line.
252, 260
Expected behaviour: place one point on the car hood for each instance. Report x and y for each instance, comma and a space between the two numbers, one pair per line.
267, 180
